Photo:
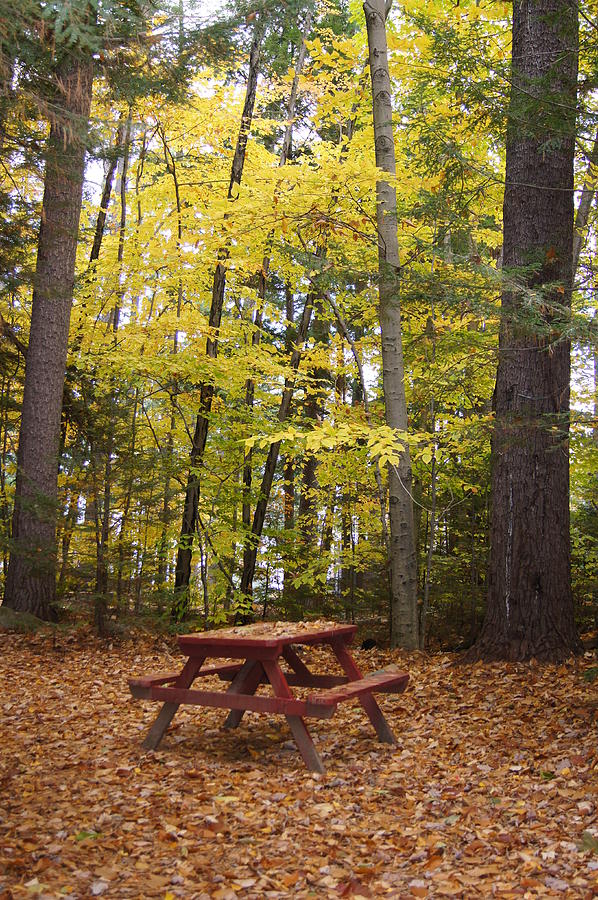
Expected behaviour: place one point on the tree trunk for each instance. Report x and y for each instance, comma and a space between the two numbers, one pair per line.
124, 520
288, 589
259, 516
585, 204
264, 272
167, 453
101, 592
7, 71
530, 607
107, 192
403, 561
595, 354
4, 505
206, 396
423, 624
361, 396
317, 381
31, 579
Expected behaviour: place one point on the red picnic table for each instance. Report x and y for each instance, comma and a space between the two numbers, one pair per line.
261, 646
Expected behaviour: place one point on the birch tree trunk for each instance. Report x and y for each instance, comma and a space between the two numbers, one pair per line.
31, 578
403, 562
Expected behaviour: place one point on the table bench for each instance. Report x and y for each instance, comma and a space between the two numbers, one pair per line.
261, 646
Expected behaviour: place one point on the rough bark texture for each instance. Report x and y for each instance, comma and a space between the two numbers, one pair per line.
530, 608
190, 507
403, 561
30, 582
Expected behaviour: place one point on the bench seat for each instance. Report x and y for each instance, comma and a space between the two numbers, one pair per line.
387, 682
140, 687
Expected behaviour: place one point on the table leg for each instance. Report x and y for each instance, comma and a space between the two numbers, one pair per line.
369, 704
310, 755
246, 681
166, 714
295, 661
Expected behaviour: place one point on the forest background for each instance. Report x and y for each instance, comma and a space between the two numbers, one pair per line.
224, 354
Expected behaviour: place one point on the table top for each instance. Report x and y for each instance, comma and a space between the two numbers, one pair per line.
266, 635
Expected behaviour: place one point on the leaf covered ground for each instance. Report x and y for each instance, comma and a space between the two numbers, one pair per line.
492, 790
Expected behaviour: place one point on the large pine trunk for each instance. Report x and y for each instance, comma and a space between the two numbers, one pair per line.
530, 607
31, 582
403, 562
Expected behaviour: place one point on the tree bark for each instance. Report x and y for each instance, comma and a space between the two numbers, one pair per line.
206, 395
316, 382
363, 398
101, 592
31, 578
7, 94
264, 272
288, 589
171, 167
585, 204
403, 561
530, 606
595, 354
259, 516
107, 192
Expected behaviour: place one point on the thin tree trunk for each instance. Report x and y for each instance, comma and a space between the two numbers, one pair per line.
259, 516
31, 579
167, 455
124, 521
530, 606
7, 98
191, 502
203, 575
319, 378
67, 534
233, 555
143, 556
107, 192
346, 574
423, 624
585, 204
4, 508
366, 409
265, 269
423, 619
403, 559
101, 598
289, 467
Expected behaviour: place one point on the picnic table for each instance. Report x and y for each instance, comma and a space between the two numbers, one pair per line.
249, 656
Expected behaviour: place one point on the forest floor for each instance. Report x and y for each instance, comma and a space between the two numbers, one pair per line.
491, 792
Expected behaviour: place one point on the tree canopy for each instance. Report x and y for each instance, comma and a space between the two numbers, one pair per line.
296, 387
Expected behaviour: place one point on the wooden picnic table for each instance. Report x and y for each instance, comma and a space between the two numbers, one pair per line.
249, 656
